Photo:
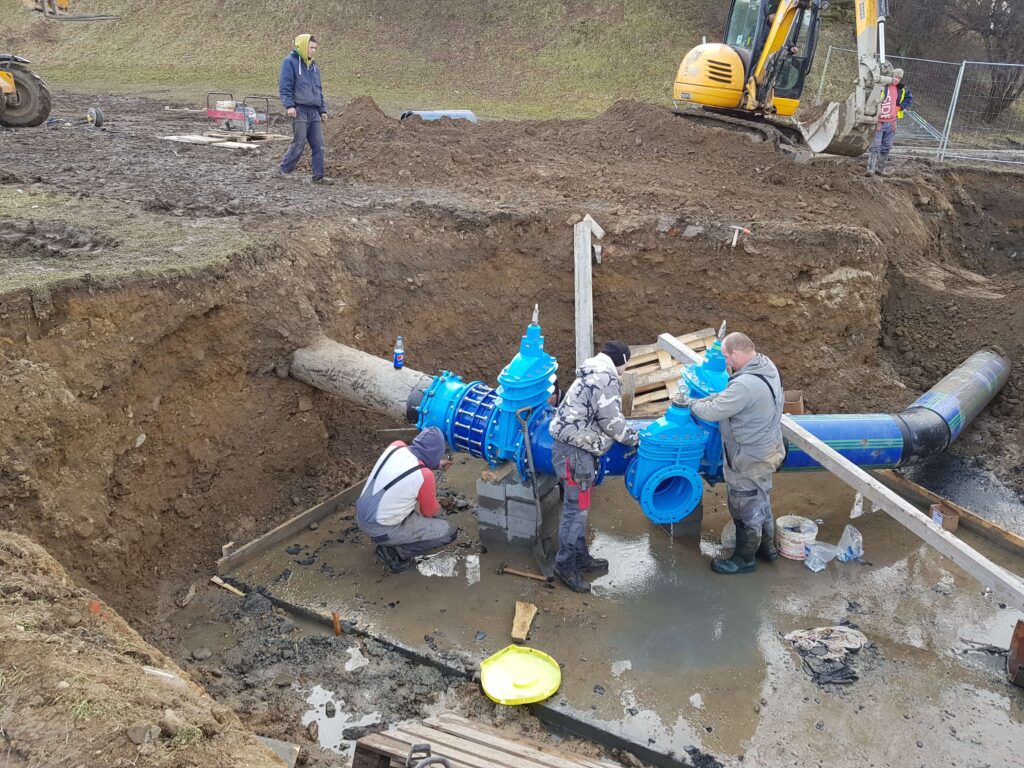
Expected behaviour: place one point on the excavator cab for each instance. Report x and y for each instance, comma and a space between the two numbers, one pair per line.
762, 64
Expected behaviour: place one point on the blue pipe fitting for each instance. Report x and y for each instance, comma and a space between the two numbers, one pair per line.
525, 384
665, 478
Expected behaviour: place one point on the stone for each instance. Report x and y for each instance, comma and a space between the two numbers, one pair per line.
329, 709
284, 680
630, 760
305, 403
170, 723
691, 231
313, 729
281, 370
201, 654
143, 732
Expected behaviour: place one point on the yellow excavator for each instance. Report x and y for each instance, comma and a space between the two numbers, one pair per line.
755, 78
24, 97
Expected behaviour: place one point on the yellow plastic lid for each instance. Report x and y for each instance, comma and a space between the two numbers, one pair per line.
519, 675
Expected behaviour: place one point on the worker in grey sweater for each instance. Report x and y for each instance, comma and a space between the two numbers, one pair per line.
749, 413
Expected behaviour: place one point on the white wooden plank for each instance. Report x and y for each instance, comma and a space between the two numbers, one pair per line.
595, 228
905, 513
584, 292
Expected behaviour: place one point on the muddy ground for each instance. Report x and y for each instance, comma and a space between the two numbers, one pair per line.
151, 293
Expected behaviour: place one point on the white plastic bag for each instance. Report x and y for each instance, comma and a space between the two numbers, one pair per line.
851, 544
818, 553
858, 507
729, 535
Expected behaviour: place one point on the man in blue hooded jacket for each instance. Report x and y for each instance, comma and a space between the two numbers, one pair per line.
303, 98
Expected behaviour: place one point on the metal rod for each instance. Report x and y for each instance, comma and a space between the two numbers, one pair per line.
952, 113
824, 71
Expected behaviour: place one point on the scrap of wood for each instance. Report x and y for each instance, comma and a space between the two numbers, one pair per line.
905, 513
229, 587
499, 473
192, 139
694, 339
236, 144
525, 613
973, 522
289, 528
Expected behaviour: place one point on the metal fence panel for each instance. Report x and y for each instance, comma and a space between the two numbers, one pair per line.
987, 122
962, 110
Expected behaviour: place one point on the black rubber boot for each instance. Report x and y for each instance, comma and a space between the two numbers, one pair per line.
390, 557
573, 580
592, 565
742, 561
882, 160
767, 550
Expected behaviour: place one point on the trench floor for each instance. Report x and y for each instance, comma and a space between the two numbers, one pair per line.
670, 655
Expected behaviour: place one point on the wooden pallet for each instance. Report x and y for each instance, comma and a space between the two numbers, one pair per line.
466, 744
652, 376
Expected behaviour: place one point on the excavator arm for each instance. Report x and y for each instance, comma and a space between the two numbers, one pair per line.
847, 128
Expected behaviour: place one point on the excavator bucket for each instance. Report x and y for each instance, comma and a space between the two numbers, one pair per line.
833, 128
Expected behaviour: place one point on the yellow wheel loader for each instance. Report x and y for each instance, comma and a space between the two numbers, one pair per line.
756, 77
24, 97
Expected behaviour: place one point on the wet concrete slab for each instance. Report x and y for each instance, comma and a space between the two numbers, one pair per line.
670, 655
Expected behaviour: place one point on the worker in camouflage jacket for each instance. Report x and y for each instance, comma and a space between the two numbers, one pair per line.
586, 424
749, 415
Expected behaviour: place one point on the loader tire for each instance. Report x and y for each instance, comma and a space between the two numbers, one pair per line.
29, 105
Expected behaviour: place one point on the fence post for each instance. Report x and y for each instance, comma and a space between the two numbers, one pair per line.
824, 71
951, 114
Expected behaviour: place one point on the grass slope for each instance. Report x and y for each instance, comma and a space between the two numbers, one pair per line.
530, 58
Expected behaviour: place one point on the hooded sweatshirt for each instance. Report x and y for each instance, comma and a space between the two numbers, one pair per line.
590, 416
749, 413
299, 83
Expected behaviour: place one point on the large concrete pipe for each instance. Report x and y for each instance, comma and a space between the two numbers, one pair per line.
359, 377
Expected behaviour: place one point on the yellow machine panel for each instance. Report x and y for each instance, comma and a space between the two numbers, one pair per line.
712, 75
6, 82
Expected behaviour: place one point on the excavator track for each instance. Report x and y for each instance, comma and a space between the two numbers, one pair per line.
782, 138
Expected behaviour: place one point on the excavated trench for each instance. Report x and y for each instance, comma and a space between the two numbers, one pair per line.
148, 422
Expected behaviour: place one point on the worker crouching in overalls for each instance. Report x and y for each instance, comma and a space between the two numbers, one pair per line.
386, 510
586, 424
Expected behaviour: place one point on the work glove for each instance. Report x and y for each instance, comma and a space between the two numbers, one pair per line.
682, 399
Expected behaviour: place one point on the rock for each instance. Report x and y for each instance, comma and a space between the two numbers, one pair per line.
313, 729
186, 598
284, 680
630, 760
329, 709
691, 231
357, 732
281, 370
201, 654
305, 403
314, 526
143, 732
170, 723
599, 690
63, 685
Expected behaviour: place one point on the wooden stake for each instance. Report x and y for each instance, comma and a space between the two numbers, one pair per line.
229, 587
582, 254
525, 612
336, 621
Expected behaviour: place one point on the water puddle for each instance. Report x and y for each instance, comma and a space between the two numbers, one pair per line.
447, 566
331, 733
356, 660
632, 565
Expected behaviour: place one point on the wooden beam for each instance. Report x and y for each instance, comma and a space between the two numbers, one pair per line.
905, 513
583, 232
979, 525
288, 529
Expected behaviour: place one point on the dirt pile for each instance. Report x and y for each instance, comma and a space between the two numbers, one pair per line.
79, 687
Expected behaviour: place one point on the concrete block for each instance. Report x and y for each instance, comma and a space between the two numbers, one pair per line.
496, 518
494, 491
524, 491
519, 527
486, 502
522, 510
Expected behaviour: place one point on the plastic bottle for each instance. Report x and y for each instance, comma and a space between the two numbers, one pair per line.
399, 358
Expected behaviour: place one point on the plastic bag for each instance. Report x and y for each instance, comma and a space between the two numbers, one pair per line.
851, 545
729, 535
858, 507
818, 553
